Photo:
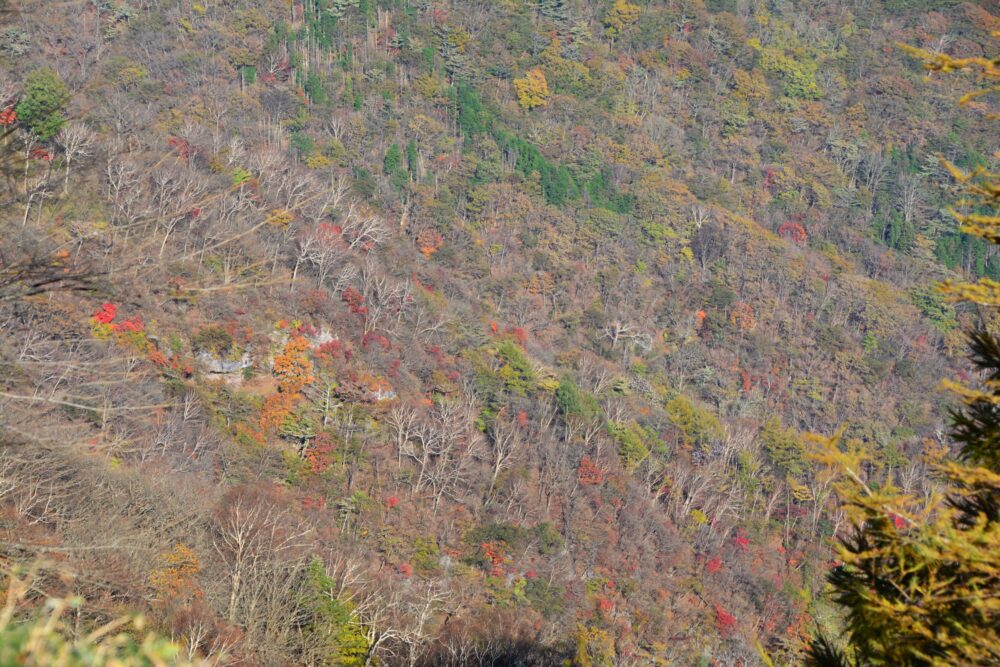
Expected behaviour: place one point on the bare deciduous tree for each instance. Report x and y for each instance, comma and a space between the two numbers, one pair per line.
77, 142
387, 300
505, 439
250, 533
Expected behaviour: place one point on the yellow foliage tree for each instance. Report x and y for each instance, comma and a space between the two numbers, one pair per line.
594, 648
280, 218
621, 15
532, 90
920, 577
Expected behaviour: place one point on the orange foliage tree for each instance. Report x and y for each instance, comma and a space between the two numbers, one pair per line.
292, 367
175, 576
294, 371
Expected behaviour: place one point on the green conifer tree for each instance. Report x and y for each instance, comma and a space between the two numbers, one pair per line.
40, 109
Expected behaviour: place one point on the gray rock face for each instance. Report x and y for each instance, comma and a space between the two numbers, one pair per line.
214, 364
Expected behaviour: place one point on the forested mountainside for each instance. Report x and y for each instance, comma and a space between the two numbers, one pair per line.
399, 332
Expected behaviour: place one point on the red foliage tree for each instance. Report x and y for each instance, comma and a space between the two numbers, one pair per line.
313, 502
724, 621
131, 325
794, 232
741, 541
493, 554
328, 351
182, 146
355, 301
320, 453
519, 334
372, 337
106, 314
589, 472
746, 380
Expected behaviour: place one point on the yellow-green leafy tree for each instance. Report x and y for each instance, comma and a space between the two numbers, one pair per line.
621, 15
532, 90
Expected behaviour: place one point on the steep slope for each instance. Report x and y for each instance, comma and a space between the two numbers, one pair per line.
398, 332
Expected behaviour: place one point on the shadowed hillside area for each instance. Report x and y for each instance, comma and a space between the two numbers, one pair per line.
452, 333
